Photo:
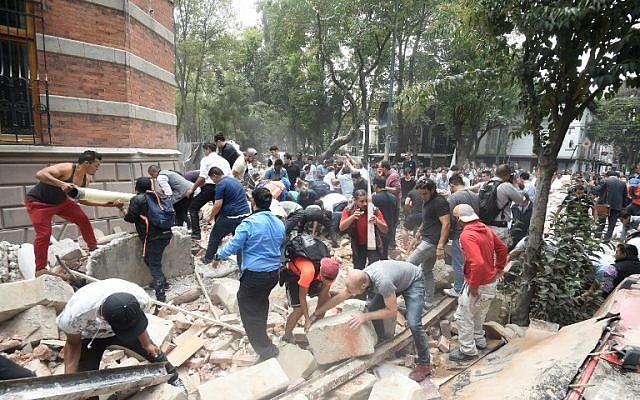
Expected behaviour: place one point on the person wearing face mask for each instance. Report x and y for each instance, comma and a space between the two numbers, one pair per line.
107, 313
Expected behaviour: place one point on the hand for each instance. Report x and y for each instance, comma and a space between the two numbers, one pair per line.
357, 213
67, 187
373, 219
473, 291
118, 203
357, 320
188, 193
440, 253
214, 263
153, 350
500, 276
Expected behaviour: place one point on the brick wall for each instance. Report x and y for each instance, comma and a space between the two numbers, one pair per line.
18, 165
162, 10
150, 92
150, 46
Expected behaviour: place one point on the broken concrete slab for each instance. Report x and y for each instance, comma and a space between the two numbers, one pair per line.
354, 305
33, 325
225, 292
67, 249
331, 339
261, 381
358, 388
494, 330
158, 328
395, 387
163, 391
445, 328
122, 258
296, 362
48, 290
387, 369
518, 330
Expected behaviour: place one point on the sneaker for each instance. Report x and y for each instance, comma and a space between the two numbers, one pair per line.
420, 372
428, 305
451, 292
459, 356
206, 261
481, 345
274, 353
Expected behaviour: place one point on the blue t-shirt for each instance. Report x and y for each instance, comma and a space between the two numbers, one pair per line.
234, 201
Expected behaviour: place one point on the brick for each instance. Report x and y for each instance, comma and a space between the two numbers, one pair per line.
11, 196
33, 325
15, 217
45, 290
395, 387
332, 340
225, 291
261, 381
296, 362
66, 249
163, 391
356, 389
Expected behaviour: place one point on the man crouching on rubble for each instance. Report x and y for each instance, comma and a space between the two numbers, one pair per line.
107, 313
384, 281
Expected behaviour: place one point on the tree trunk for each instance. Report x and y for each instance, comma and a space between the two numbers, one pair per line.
548, 166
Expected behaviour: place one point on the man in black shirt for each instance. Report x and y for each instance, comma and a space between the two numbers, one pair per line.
226, 150
413, 210
293, 171
388, 205
436, 222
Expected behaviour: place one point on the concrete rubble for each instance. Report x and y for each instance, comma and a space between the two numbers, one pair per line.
224, 291
358, 388
396, 387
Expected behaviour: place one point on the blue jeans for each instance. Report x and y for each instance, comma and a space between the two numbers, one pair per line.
413, 300
224, 226
457, 261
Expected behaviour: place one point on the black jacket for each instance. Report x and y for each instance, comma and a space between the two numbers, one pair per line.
612, 191
138, 208
626, 267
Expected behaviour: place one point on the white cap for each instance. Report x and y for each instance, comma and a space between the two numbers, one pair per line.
465, 213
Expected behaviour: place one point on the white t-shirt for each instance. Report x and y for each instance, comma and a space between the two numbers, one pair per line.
163, 182
330, 200
210, 161
80, 315
329, 178
239, 166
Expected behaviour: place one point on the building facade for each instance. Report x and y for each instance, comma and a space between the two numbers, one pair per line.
83, 74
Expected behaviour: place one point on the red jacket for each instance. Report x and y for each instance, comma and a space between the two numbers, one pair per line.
484, 253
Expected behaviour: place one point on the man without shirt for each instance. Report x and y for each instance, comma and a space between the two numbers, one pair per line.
386, 280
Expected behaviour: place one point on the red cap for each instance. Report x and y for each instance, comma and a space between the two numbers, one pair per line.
329, 268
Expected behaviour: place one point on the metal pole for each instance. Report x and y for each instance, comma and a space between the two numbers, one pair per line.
392, 71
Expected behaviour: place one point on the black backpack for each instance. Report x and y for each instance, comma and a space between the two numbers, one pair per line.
488, 202
160, 211
302, 246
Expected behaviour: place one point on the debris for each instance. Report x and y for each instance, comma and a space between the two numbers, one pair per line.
9, 270
225, 291
163, 391
187, 297
494, 330
260, 381
395, 387
182, 353
443, 344
49, 290
33, 325
357, 388
331, 339
214, 311
39, 367
158, 328
387, 369
445, 328
518, 330
296, 362
67, 249
543, 325
44, 353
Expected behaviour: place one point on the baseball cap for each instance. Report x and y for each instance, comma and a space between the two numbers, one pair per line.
465, 213
355, 174
122, 311
329, 268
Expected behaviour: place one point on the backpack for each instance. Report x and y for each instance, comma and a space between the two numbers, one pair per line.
160, 210
488, 202
302, 246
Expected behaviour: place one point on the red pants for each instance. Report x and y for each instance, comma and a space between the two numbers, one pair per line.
41, 215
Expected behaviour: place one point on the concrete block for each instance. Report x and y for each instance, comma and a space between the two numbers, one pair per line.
224, 291
261, 381
395, 387
107, 172
18, 174
163, 391
15, 217
66, 249
387, 369
354, 305
158, 329
13, 235
33, 325
122, 258
444, 345
16, 297
445, 328
358, 388
296, 362
123, 172
11, 196
332, 340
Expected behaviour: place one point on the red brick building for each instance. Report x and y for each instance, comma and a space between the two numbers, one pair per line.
78, 74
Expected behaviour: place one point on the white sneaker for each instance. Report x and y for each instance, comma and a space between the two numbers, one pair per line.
451, 292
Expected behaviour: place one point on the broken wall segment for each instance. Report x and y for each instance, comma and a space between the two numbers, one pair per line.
48, 290
33, 325
396, 387
331, 339
225, 292
261, 381
296, 362
122, 258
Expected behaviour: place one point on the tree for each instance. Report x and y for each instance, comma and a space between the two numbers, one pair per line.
617, 122
572, 53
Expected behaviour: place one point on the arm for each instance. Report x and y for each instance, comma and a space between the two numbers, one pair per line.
334, 301
51, 175
445, 222
236, 243
163, 182
408, 203
380, 222
133, 212
72, 351
345, 223
148, 345
217, 205
198, 183
389, 311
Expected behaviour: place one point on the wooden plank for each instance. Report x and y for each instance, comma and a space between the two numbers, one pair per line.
194, 330
316, 388
182, 353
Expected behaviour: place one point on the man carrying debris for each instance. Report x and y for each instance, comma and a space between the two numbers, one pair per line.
103, 314
174, 185
354, 221
49, 197
485, 256
302, 278
386, 280
229, 209
206, 185
434, 233
155, 237
259, 238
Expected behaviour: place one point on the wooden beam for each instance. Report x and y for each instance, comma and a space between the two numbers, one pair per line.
340, 374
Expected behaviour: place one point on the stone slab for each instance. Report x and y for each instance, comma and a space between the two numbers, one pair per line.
225, 292
16, 297
358, 388
296, 362
32, 325
395, 387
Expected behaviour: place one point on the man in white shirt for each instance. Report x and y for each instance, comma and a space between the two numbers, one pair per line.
242, 163
208, 188
331, 180
107, 313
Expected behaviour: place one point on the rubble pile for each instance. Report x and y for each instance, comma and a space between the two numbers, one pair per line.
9, 271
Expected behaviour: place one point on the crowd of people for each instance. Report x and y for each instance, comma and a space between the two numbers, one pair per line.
485, 213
